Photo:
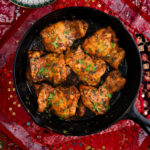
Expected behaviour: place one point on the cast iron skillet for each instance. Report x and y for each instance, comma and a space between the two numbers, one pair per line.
124, 103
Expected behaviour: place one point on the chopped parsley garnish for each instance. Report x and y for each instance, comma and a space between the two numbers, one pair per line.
41, 71
47, 64
66, 32
95, 107
55, 44
46, 76
88, 67
54, 31
51, 96
112, 45
86, 52
107, 56
108, 95
56, 103
85, 79
93, 69
48, 35
104, 44
80, 61
64, 109
99, 50
65, 131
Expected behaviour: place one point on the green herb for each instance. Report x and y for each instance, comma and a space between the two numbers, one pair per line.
41, 71
94, 68
85, 79
80, 61
54, 31
65, 131
64, 109
112, 45
87, 69
66, 32
46, 76
95, 106
104, 44
48, 35
55, 44
56, 103
99, 50
86, 52
47, 64
108, 95
107, 56
61, 118
51, 96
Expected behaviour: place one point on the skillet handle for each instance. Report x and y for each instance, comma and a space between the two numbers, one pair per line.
139, 119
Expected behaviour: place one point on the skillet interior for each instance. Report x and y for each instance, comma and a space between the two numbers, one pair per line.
121, 100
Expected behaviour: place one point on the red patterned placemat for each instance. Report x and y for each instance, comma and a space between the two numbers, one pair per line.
15, 122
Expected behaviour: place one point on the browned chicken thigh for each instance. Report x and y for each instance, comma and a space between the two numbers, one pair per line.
88, 70
57, 37
63, 101
103, 44
50, 67
97, 100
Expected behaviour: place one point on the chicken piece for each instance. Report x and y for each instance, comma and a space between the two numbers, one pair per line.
63, 101
97, 100
57, 37
50, 67
103, 44
88, 70
43, 96
115, 57
81, 109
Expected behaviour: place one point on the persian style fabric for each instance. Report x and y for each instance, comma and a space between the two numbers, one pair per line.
17, 124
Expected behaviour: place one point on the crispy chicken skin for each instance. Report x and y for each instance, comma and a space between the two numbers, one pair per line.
57, 37
50, 67
103, 44
88, 70
63, 101
97, 100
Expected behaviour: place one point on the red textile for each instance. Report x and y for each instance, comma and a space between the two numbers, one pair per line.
17, 124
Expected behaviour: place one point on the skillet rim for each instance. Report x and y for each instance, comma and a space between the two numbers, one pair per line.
94, 11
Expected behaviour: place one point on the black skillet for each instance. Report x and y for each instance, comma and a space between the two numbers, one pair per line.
122, 104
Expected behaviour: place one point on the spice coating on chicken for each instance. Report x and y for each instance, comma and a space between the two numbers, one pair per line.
88, 70
97, 100
57, 37
63, 101
103, 44
50, 67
